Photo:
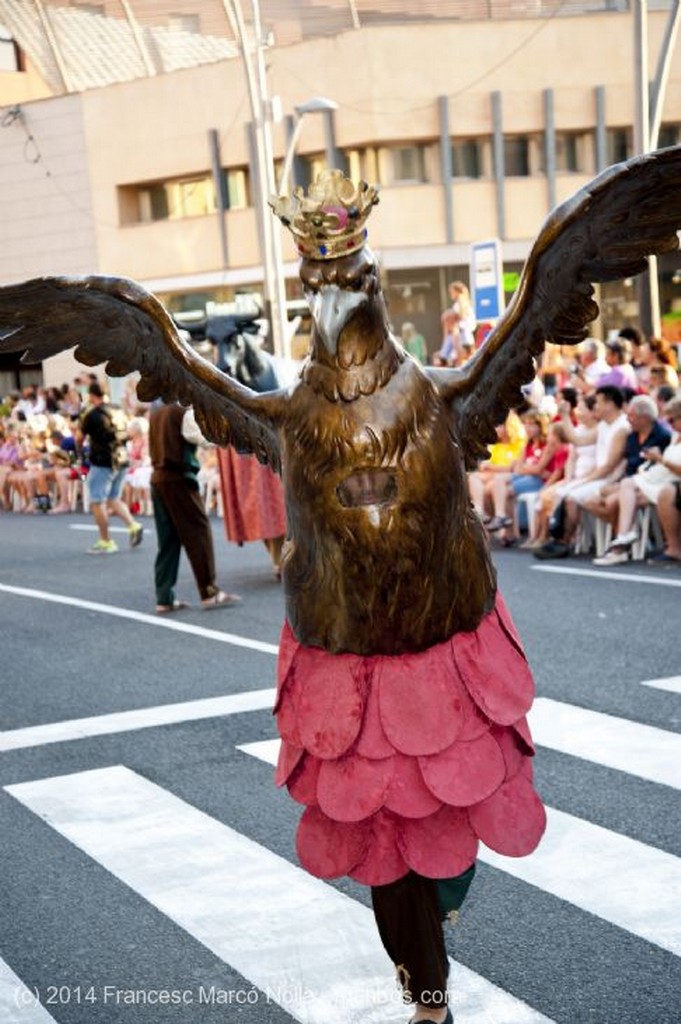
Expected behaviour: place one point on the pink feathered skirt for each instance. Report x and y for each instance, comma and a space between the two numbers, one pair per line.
409, 762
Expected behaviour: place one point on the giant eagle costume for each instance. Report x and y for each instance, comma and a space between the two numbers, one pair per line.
402, 684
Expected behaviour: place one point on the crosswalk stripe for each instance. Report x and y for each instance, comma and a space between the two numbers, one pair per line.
641, 750
619, 879
18, 1005
139, 718
671, 683
303, 944
149, 620
600, 574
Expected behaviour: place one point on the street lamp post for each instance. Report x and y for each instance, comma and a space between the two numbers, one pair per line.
317, 105
256, 81
253, 54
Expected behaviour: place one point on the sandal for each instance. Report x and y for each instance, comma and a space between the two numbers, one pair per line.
176, 606
220, 600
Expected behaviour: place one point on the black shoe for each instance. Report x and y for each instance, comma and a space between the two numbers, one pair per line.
448, 1019
553, 549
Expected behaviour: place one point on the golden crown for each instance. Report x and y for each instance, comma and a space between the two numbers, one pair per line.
329, 221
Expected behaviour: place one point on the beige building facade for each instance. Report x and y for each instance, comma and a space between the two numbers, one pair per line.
473, 130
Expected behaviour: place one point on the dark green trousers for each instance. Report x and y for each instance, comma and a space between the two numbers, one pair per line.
181, 522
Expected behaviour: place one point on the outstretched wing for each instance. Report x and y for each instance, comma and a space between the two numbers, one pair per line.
604, 232
115, 321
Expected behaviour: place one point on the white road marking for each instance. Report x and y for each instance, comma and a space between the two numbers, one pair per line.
306, 946
139, 718
619, 879
149, 620
599, 574
671, 683
18, 1005
641, 750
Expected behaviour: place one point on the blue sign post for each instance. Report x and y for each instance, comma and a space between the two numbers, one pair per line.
487, 282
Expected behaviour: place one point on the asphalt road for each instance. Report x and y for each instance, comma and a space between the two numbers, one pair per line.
588, 937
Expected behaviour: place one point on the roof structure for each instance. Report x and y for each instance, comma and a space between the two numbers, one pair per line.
83, 44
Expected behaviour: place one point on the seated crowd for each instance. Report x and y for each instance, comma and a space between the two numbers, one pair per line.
593, 459
597, 441
44, 455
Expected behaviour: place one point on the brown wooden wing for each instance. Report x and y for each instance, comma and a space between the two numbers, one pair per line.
603, 233
115, 321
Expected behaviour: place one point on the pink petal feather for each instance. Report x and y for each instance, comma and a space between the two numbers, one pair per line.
512, 820
421, 701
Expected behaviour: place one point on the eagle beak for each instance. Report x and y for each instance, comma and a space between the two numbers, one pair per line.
331, 308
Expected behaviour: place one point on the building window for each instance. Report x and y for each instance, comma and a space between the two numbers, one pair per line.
308, 169
567, 151
619, 142
467, 158
9, 54
238, 194
184, 23
193, 197
408, 164
184, 197
572, 154
362, 164
517, 156
669, 135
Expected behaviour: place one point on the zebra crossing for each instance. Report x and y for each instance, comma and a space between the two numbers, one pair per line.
177, 858
145, 846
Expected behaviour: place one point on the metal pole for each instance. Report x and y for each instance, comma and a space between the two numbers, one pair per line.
662, 74
280, 332
290, 154
641, 106
235, 15
647, 284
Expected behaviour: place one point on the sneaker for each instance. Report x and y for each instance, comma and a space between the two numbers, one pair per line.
612, 557
135, 533
103, 547
553, 549
623, 540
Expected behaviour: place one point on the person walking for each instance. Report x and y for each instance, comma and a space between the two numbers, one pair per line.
252, 495
105, 426
179, 515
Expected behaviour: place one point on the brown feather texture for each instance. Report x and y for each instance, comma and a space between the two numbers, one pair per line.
384, 553
604, 232
117, 322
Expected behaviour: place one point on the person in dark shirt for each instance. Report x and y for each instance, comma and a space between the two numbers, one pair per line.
105, 428
647, 431
179, 515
